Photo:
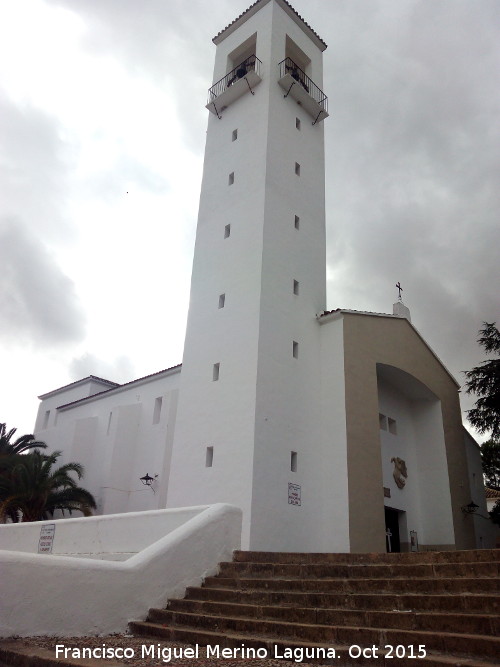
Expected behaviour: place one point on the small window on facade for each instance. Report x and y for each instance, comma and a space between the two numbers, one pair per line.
157, 410
231, 178
109, 423
234, 135
297, 123
216, 372
296, 287
392, 426
293, 461
227, 231
46, 418
222, 300
297, 168
209, 457
295, 349
382, 419
297, 222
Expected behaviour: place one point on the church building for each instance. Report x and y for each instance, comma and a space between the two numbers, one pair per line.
333, 430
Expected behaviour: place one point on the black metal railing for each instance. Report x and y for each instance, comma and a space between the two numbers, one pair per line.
287, 66
252, 63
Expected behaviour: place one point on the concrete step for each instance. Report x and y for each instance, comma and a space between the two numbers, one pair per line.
351, 585
359, 570
485, 624
191, 628
467, 603
481, 555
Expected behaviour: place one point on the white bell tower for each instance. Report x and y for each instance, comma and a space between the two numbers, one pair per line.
248, 429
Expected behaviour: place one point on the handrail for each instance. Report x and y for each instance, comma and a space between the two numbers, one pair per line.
252, 63
288, 66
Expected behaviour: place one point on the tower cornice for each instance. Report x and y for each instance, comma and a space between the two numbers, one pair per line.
253, 9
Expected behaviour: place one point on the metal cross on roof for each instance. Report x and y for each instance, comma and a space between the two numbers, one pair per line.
400, 289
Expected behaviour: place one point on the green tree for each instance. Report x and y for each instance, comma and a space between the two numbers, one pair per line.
490, 457
19, 446
484, 381
33, 489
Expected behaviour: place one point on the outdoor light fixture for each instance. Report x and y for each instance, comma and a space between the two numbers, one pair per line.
147, 480
471, 508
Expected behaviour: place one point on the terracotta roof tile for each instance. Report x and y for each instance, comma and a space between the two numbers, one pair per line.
258, 2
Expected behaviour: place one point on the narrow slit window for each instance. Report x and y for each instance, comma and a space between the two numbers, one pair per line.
296, 287
293, 461
392, 426
297, 222
297, 168
231, 178
209, 457
157, 410
234, 135
216, 372
297, 123
222, 300
382, 420
227, 231
295, 349
110, 418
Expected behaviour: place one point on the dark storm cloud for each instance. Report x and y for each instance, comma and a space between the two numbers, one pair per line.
413, 165
38, 304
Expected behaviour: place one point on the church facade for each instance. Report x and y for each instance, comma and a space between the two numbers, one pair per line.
332, 430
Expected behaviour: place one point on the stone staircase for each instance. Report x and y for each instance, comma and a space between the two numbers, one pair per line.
443, 604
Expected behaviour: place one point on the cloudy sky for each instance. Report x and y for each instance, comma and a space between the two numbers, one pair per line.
102, 130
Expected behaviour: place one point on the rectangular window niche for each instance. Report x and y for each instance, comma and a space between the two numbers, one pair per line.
157, 410
222, 300
227, 231
297, 168
209, 457
231, 178
297, 222
295, 349
216, 372
296, 287
293, 461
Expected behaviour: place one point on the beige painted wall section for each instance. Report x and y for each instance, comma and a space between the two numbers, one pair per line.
369, 340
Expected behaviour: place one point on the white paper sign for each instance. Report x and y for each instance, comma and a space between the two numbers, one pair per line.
294, 494
46, 538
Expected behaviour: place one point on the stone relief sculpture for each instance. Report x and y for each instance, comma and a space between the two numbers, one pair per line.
399, 473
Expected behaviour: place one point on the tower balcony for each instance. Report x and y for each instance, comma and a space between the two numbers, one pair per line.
303, 90
240, 80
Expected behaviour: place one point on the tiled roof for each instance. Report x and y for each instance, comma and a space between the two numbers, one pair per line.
118, 386
255, 5
492, 493
90, 378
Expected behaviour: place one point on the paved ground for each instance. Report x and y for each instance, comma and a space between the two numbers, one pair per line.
41, 652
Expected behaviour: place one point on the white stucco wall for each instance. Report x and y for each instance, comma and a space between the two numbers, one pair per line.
65, 596
113, 435
265, 404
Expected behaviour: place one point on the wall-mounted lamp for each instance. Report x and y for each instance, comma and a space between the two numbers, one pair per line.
471, 508
147, 480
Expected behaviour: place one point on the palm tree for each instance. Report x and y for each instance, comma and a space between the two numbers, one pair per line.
20, 446
33, 490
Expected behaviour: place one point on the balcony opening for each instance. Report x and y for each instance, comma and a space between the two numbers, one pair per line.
244, 73
298, 86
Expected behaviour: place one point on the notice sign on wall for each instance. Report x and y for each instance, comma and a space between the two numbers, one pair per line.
46, 538
294, 494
